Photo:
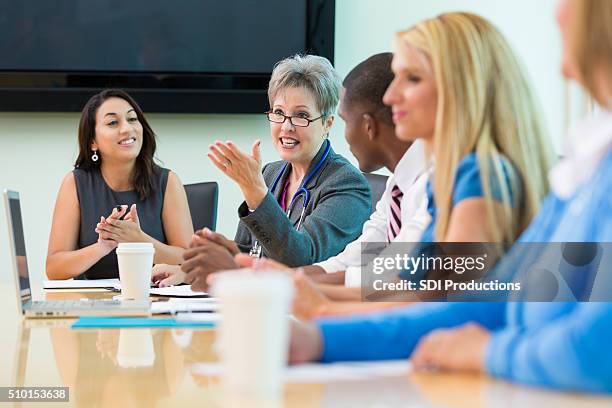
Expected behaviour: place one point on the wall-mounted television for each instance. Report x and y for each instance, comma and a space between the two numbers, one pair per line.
187, 56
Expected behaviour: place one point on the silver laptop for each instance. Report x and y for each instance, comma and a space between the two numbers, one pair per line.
54, 308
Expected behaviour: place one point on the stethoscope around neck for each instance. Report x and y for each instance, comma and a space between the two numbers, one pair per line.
302, 191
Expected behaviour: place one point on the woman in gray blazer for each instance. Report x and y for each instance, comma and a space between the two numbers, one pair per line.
310, 204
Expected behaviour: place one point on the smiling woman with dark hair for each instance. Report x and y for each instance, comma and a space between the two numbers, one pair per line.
116, 193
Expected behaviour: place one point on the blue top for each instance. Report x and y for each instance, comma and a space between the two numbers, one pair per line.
467, 185
560, 345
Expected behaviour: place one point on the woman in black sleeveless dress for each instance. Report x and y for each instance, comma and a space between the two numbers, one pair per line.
115, 169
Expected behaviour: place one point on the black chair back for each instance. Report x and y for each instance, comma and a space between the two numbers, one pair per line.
378, 182
203, 198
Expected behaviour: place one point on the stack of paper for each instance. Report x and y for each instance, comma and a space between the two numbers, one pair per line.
80, 284
177, 291
179, 305
320, 373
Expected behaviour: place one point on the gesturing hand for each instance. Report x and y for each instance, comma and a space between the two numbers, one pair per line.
245, 170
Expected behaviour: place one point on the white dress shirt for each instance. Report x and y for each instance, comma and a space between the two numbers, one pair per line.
411, 174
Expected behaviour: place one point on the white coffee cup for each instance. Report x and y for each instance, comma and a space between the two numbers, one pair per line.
253, 331
135, 261
135, 348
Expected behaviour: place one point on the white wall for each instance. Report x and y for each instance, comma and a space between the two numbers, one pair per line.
37, 149
364, 27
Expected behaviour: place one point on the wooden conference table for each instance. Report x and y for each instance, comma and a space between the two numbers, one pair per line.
49, 353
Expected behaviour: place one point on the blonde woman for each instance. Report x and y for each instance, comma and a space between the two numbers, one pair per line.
556, 344
460, 88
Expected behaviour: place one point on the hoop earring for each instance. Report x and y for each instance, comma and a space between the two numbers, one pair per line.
94, 156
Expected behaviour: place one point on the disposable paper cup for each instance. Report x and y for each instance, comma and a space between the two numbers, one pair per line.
135, 348
253, 331
135, 261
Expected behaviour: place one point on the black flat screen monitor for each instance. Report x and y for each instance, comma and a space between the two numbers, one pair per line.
184, 56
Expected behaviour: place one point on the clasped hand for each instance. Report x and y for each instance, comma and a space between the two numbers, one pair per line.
209, 252
112, 230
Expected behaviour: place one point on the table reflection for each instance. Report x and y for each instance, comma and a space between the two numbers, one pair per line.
135, 366
141, 367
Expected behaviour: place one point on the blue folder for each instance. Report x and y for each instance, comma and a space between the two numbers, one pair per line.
96, 322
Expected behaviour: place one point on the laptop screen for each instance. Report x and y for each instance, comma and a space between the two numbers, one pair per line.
14, 212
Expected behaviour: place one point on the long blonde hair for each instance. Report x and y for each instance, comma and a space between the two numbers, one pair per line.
484, 107
591, 43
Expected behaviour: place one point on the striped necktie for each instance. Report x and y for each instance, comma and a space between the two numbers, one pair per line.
395, 218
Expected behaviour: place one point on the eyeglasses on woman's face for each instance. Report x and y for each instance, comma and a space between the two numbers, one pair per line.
298, 121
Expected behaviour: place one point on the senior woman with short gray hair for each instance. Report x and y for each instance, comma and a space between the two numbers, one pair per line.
300, 210
310, 204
